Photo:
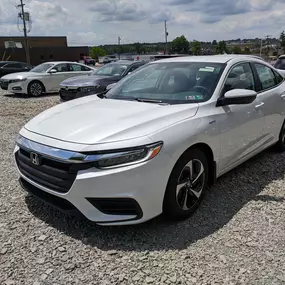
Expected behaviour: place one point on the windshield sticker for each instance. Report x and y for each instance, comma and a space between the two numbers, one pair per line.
207, 69
195, 97
210, 68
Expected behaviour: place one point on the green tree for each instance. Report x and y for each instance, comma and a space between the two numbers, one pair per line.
236, 50
282, 40
221, 47
214, 43
138, 47
180, 45
96, 52
246, 50
196, 47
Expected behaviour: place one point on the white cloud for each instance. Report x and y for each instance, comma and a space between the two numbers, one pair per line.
88, 22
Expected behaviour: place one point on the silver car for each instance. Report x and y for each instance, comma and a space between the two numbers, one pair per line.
155, 141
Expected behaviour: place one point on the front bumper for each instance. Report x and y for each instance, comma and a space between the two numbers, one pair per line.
126, 195
70, 94
15, 87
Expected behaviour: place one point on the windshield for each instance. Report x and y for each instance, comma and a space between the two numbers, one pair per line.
170, 82
111, 69
42, 67
280, 63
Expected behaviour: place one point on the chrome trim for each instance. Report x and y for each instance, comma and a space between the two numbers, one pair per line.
75, 157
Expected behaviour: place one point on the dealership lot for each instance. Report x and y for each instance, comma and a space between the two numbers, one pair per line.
236, 237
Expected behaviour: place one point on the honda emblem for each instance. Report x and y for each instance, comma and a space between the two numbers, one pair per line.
35, 158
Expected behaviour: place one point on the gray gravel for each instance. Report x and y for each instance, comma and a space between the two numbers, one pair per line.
236, 237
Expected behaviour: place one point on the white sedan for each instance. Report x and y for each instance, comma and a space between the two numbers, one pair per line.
155, 141
44, 78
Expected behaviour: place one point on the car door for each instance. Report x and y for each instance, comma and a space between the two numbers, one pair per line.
240, 125
272, 93
60, 75
78, 69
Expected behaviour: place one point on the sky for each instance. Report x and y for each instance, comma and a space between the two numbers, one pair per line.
95, 22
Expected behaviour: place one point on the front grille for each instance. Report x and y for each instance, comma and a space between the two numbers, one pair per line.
52, 174
4, 85
66, 95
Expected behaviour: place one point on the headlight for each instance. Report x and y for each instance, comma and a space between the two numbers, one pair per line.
129, 157
17, 80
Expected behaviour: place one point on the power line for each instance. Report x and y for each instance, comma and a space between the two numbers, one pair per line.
25, 17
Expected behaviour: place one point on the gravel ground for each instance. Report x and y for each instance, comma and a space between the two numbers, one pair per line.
236, 237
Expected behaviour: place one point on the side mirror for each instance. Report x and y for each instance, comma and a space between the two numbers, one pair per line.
237, 97
53, 71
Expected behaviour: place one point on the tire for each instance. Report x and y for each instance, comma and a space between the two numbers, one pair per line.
36, 88
174, 206
280, 145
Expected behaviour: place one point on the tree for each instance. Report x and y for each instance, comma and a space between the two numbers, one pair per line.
246, 51
196, 47
282, 40
138, 47
236, 50
96, 52
180, 45
214, 43
221, 47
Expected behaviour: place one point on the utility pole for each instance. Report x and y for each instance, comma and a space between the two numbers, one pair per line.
267, 45
166, 35
119, 45
27, 49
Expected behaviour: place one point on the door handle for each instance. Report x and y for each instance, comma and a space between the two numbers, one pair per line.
283, 96
259, 105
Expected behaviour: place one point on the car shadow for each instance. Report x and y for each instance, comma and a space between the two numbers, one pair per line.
224, 200
26, 96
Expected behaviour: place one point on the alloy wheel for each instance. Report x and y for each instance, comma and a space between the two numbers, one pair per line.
36, 89
190, 184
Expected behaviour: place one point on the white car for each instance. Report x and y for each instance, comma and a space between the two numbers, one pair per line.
44, 78
155, 141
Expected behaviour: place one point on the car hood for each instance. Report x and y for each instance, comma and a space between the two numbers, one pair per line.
20, 75
91, 120
85, 80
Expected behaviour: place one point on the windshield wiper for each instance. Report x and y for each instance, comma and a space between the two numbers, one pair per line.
102, 94
150, 101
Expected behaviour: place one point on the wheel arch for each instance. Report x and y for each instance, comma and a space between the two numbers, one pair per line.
207, 150
36, 80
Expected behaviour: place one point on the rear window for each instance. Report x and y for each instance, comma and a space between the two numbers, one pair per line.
280, 63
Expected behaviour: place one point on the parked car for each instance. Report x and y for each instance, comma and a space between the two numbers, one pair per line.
155, 141
7, 67
98, 81
88, 60
109, 58
280, 64
44, 78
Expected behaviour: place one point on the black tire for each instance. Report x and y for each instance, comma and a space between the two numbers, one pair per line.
174, 199
280, 145
36, 88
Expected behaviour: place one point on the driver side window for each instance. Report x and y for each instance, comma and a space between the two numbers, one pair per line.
240, 77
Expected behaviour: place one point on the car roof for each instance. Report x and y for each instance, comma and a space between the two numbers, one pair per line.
209, 58
57, 62
1, 62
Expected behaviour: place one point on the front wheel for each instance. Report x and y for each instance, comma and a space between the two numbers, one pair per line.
280, 145
186, 185
35, 89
